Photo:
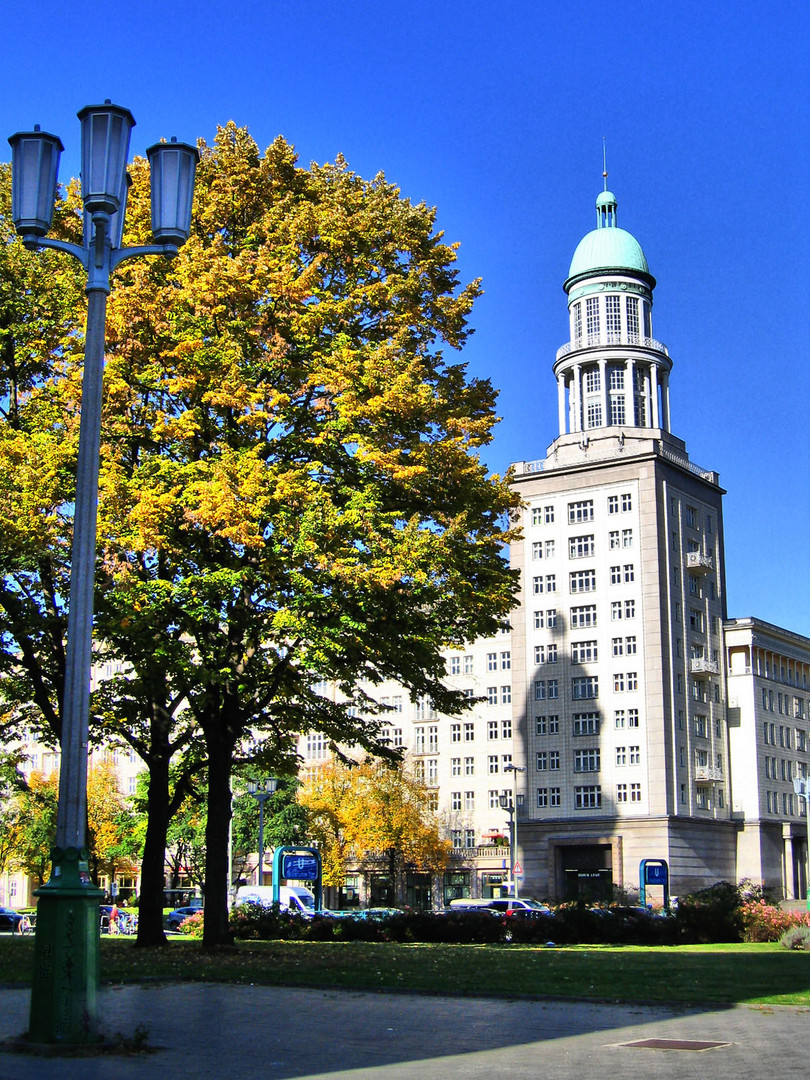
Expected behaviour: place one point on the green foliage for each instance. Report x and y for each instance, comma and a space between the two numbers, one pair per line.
713, 914
266, 922
796, 937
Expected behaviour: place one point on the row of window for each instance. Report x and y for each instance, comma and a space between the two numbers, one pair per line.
495, 764
583, 547
466, 800
611, 308
585, 723
790, 807
582, 509
587, 760
799, 738
782, 703
784, 768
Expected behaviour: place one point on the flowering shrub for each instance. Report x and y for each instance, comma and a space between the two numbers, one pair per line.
764, 922
193, 926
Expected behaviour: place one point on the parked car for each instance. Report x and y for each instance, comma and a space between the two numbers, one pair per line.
527, 909
14, 921
179, 915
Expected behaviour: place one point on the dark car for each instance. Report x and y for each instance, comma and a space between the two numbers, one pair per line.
14, 921
179, 915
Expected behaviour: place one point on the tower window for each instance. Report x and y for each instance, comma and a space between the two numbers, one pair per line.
632, 318
592, 318
613, 318
617, 410
594, 414
592, 383
616, 377
578, 322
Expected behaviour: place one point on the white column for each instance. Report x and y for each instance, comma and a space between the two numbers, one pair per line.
605, 392
561, 402
656, 420
576, 386
665, 401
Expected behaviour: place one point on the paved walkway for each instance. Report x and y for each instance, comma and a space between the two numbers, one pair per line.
246, 1032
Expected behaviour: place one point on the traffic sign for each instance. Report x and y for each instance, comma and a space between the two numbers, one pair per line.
517, 870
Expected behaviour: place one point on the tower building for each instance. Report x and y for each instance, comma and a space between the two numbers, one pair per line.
618, 681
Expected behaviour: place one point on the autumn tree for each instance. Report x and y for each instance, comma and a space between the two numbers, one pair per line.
112, 839
362, 811
33, 828
291, 490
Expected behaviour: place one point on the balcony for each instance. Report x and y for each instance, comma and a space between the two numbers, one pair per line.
699, 665
698, 562
706, 774
598, 341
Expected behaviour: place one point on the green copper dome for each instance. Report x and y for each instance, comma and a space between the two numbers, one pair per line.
607, 247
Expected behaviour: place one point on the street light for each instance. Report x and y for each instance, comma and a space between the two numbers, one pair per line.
801, 786
261, 794
510, 805
63, 997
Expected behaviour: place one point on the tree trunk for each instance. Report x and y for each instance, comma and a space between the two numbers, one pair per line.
150, 911
219, 744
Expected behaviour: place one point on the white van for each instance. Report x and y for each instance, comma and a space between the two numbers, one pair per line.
295, 898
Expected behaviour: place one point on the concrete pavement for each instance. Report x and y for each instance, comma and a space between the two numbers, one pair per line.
268, 1033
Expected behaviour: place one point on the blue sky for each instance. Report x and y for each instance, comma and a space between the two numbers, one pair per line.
495, 113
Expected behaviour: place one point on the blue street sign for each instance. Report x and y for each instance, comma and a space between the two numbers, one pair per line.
299, 867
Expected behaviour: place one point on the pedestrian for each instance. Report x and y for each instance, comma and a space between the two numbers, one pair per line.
114, 913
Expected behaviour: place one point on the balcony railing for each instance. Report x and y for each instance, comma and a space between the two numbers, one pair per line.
707, 774
699, 562
595, 341
699, 665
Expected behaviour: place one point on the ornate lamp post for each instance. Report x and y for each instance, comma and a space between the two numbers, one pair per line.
63, 999
511, 805
261, 793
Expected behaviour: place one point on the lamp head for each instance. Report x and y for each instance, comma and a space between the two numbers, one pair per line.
173, 166
105, 148
34, 167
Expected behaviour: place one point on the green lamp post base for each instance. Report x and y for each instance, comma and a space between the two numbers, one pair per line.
66, 954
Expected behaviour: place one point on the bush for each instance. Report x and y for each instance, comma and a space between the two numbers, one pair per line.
711, 915
797, 937
192, 926
766, 922
461, 927
257, 922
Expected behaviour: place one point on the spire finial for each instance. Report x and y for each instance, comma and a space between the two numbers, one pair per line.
604, 163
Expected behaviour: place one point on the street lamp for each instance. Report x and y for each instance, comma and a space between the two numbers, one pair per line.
510, 805
63, 997
261, 793
801, 785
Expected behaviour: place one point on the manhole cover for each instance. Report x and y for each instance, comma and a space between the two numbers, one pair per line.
675, 1044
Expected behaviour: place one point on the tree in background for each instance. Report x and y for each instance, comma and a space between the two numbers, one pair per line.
112, 836
33, 825
361, 811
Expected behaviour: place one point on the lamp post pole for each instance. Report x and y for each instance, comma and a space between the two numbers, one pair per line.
64, 990
261, 793
510, 805
801, 785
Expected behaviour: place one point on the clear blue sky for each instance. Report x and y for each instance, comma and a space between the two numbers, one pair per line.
495, 114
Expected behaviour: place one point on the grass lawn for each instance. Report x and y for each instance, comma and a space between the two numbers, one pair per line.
756, 974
